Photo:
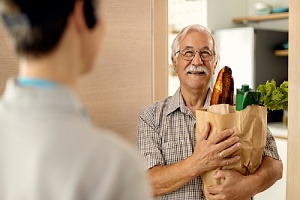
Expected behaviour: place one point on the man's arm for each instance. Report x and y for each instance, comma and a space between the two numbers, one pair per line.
237, 186
267, 174
206, 157
165, 179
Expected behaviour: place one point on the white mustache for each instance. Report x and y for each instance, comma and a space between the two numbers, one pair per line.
193, 68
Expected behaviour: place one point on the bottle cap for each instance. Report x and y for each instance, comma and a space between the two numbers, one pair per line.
245, 88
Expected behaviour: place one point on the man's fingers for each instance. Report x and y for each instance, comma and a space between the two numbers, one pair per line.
212, 192
220, 174
228, 147
230, 161
219, 137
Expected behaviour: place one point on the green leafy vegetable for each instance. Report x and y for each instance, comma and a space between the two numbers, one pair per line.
272, 97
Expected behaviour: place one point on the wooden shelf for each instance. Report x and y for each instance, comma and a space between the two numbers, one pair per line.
281, 52
258, 18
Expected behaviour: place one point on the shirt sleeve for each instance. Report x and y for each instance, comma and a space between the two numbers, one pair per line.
148, 139
271, 148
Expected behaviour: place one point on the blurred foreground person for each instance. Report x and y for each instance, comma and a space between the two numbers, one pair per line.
49, 149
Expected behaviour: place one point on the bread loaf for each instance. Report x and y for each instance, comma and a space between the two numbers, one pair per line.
224, 88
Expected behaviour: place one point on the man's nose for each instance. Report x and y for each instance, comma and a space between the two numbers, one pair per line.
197, 60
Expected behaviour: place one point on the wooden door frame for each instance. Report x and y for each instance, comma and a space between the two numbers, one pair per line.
160, 49
293, 161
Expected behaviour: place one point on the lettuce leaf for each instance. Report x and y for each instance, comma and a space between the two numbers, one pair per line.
272, 97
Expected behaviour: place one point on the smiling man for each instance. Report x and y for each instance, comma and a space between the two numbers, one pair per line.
166, 133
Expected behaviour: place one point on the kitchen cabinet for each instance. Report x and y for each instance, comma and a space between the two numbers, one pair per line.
262, 18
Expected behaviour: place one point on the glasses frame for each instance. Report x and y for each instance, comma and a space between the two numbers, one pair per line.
202, 51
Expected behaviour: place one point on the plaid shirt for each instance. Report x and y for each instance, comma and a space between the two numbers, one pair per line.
166, 135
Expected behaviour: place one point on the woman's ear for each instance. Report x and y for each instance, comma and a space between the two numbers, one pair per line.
78, 15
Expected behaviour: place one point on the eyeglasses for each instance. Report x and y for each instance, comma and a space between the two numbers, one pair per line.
188, 54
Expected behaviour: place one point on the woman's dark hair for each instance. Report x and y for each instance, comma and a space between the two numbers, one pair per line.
37, 40
35, 26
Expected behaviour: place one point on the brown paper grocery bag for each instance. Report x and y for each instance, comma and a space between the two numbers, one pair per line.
249, 124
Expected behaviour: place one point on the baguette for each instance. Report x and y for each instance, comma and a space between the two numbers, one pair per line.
224, 88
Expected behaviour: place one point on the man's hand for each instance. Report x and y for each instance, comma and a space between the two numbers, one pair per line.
209, 154
234, 187
238, 186
212, 153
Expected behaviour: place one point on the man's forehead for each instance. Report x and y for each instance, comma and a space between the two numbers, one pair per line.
197, 39
192, 47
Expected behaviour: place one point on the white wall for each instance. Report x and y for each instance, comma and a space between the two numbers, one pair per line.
220, 13
182, 13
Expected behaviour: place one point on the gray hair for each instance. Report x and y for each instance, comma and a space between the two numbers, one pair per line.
181, 35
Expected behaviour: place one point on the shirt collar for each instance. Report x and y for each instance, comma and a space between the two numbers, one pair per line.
17, 96
178, 102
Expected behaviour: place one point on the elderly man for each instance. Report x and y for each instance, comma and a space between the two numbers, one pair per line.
166, 133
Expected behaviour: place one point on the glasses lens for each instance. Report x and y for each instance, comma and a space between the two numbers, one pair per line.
206, 54
187, 54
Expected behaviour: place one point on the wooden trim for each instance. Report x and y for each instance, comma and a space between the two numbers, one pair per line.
293, 161
160, 49
244, 20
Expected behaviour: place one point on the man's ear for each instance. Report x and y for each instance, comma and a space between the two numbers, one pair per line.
215, 65
174, 62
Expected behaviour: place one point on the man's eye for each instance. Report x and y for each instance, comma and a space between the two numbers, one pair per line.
188, 53
206, 53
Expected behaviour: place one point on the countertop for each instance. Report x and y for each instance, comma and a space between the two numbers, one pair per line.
278, 129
